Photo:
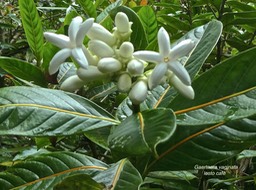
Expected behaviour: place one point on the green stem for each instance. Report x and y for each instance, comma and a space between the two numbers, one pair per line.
135, 108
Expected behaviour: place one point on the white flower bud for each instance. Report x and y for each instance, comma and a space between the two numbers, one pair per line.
135, 67
98, 32
109, 65
126, 50
90, 74
138, 92
100, 48
186, 91
72, 84
122, 22
124, 82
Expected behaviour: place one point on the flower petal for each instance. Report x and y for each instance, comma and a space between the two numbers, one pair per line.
157, 75
83, 29
72, 84
149, 56
78, 55
179, 70
163, 42
182, 49
92, 60
58, 40
73, 28
58, 59
186, 91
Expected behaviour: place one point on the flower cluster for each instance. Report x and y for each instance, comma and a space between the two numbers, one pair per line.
111, 56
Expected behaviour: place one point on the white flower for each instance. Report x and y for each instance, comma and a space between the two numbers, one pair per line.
167, 58
138, 92
123, 26
100, 48
98, 32
122, 22
186, 91
71, 45
135, 67
90, 74
72, 84
124, 82
109, 65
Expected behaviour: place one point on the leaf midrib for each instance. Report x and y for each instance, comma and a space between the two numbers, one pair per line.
61, 110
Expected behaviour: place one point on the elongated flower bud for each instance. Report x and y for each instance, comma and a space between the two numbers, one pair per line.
90, 74
122, 22
126, 50
109, 65
98, 32
138, 92
135, 67
124, 82
186, 91
100, 48
72, 84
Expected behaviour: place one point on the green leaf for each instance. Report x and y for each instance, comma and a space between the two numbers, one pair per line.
33, 27
144, 131
174, 22
240, 6
231, 76
246, 154
121, 175
45, 171
217, 125
88, 7
101, 91
148, 18
105, 13
66, 70
44, 112
23, 70
138, 36
80, 182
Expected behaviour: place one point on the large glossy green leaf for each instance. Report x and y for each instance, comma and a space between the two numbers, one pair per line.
148, 18
138, 36
144, 130
121, 175
231, 76
79, 182
45, 171
32, 26
44, 112
214, 130
88, 7
23, 70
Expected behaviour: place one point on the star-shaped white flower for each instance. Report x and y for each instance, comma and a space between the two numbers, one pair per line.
167, 59
71, 45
